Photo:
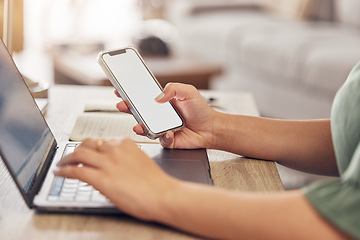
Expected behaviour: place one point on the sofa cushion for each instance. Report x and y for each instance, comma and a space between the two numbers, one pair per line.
272, 49
208, 35
347, 11
326, 65
302, 54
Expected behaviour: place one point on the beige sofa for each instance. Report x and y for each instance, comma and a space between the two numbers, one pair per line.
292, 58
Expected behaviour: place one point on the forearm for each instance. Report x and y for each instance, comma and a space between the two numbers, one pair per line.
219, 214
303, 145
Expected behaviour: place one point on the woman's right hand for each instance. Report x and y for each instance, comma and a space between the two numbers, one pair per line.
197, 114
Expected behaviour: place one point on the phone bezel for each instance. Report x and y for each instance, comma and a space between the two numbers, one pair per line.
150, 134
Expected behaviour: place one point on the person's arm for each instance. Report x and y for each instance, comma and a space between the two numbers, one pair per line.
138, 186
221, 214
303, 145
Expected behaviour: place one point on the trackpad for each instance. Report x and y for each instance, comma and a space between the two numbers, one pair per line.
188, 170
186, 164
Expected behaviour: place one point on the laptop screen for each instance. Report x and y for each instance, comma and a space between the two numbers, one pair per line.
24, 134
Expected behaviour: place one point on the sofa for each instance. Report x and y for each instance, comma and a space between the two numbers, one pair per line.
293, 55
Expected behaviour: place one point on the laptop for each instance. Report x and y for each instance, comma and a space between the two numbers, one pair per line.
30, 153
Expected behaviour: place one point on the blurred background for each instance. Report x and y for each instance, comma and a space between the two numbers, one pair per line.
292, 55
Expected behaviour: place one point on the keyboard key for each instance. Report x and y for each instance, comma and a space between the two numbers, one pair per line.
83, 184
70, 181
82, 198
53, 198
98, 197
88, 193
69, 149
57, 186
69, 190
87, 188
67, 195
67, 199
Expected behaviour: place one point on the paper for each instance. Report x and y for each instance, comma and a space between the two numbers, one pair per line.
106, 125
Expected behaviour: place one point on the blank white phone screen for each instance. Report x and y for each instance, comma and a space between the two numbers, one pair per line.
141, 89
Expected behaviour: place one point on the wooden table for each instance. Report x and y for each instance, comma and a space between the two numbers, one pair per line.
229, 171
73, 68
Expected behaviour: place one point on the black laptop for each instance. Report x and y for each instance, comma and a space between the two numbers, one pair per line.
30, 153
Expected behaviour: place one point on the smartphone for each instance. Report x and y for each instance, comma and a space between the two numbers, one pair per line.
138, 87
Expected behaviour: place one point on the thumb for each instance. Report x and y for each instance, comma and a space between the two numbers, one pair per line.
176, 90
167, 140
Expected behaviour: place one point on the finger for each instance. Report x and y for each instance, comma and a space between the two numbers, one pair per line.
82, 155
90, 142
138, 130
122, 107
97, 144
85, 174
117, 93
167, 140
176, 90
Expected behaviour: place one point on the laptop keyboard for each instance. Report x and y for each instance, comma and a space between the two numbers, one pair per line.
66, 189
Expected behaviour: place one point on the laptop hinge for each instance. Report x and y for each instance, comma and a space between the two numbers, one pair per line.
43, 170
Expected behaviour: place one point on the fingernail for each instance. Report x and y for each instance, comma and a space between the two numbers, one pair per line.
158, 98
167, 136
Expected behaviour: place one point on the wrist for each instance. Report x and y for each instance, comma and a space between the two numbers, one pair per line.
165, 209
221, 130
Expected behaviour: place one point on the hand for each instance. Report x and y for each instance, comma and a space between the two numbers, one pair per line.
197, 114
121, 172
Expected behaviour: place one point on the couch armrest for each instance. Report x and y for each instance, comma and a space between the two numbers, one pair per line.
176, 11
222, 3
204, 6
200, 6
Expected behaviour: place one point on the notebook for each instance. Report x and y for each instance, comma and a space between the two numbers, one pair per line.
30, 151
106, 125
